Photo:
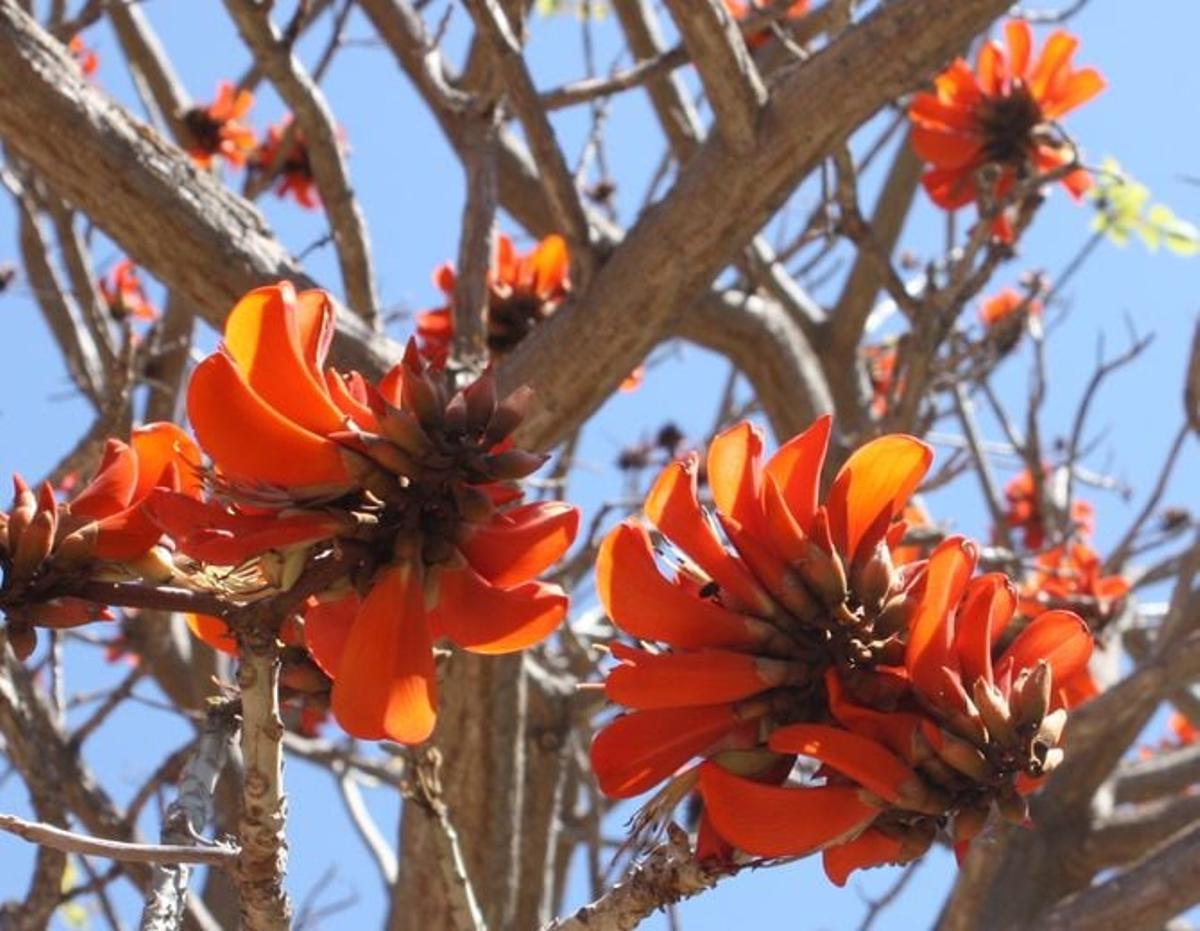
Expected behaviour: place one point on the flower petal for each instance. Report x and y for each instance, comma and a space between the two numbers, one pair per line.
772, 821
386, 683
248, 439
870, 848
673, 680
874, 484
1020, 41
647, 606
213, 631
113, 486
1061, 638
868, 763
931, 633
327, 626
158, 446
735, 473
639, 750
521, 544
796, 467
486, 618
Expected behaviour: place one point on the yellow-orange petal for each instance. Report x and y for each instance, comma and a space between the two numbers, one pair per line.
647, 606
931, 634
772, 821
870, 848
735, 473
486, 618
249, 440
263, 337
874, 484
868, 763
1077, 89
1020, 41
988, 603
386, 683
675, 680
1056, 55
1061, 638
521, 544
550, 265
639, 750
796, 468
673, 506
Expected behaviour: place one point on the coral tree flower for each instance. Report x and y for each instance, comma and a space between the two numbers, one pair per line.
785, 633
124, 294
103, 531
218, 130
1000, 115
1025, 511
739, 10
294, 167
1007, 305
1070, 577
417, 481
523, 290
85, 57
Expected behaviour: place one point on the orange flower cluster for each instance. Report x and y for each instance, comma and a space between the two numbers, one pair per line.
1025, 511
1003, 307
104, 532
295, 169
787, 640
1000, 117
218, 130
415, 482
85, 57
1071, 577
124, 295
523, 290
739, 10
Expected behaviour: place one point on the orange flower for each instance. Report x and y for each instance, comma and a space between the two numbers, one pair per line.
1001, 115
880, 360
124, 294
801, 585
417, 481
294, 170
1069, 577
1025, 511
1002, 307
785, 632
523, 290
86, 58
218, 128
45, 546
739, 10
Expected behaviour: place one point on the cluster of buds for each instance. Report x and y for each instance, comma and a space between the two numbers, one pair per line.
104, 533
789, 633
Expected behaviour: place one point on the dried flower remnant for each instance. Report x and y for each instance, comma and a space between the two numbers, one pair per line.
787, 634
104, 532
124, 295
417, 482
996, 124
217, 130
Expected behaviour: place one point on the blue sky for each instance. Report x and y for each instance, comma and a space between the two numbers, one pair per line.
410, 186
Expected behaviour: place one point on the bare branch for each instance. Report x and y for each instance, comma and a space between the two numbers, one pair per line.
69, 842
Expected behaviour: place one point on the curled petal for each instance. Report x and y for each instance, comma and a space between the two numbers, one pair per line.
735, 473
771, 821
159, 446
870, 848
213, 631
250, 440
522, 543
932, 631
873, 487
113, 487
647, 606
639, 750
486, 618
1061, 638
796, 467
